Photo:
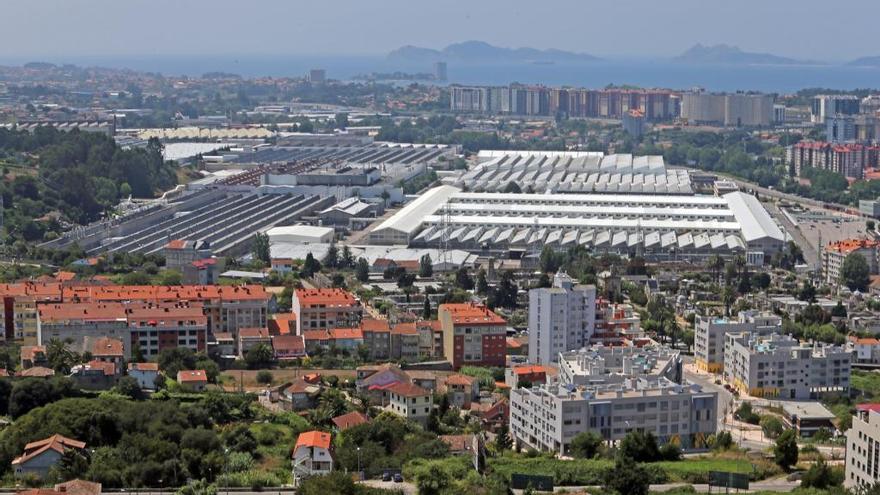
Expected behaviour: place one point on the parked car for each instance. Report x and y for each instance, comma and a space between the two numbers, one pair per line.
398, 478
386, 476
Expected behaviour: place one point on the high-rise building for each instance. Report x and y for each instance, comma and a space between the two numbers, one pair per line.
468, 99
561, 318
317, 76
863, 448
634, 123
824, 106
840, 128
440, 71
738, 109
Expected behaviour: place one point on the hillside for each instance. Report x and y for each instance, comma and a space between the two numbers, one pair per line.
726, 54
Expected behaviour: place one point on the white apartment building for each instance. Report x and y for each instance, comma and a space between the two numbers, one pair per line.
781, 366
312, 456
561, 318
410, 401
835, 253
616, 364
863, 448
548, 417
710, 331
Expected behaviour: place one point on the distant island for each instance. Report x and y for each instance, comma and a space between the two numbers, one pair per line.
727, 54
395, 76
866, 62
480, 51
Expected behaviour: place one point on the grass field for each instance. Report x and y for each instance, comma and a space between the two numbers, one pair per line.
248, 378
589, 471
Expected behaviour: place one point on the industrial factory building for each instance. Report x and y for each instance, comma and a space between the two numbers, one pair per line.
573, 172
658, 226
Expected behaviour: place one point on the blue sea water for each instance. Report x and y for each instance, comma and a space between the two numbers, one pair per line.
645, 73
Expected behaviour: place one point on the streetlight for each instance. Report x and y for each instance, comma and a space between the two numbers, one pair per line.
225, 469
360, 473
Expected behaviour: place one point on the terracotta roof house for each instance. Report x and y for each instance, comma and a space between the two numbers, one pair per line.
79, 487
36, 371
40, 456
288, 347
193, 380
353, 418
459, 444
300, 394
312, 456
145, 374
107, 349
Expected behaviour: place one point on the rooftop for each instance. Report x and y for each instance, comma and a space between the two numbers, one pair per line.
471, 314
313, 439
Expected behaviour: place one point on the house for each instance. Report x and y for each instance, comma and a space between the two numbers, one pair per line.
494, 415
461, 390
288, 347
459, 444
866, 350
36, 371
282, 324
145, 374
423, 378
202, 272
300, 394
325, 308
248, 338
405, 342
223, 344
193, 380
376, 380
377, 338
79, 487
316, 341
473, 335
33, 355
348, 420
108, 350
312, 456
347, 338
40, 456
94, 375
430, 339
410, 401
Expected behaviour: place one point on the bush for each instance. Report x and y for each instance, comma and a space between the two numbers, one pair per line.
745, 414
585, 445
822, 476
785, 452
771, 426
264, 377
670, 452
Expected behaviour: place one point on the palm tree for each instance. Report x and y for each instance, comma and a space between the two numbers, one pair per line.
715, 264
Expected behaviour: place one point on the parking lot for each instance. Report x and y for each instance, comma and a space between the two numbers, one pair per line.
829, 226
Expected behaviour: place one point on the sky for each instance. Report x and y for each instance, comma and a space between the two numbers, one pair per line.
806, 29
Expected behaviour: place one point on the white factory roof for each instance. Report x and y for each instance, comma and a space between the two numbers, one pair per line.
756, 222
300, 230
586, 223
646, 199
298, 250
409, 218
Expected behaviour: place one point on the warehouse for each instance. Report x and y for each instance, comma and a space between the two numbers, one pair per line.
573, 172
659, 226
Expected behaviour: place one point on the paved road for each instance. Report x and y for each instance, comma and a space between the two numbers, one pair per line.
775, 485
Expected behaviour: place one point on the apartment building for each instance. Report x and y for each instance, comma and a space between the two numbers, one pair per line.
863, 448
180, 253
781, 366
709, 335
617, 364
834, 253
561, 318
405, 342
377, 338
410, 401
312, 456
825, 106
151, 326
19, 308
548, 417
616, 324
731, 109
473, 335
847, 159
325, 308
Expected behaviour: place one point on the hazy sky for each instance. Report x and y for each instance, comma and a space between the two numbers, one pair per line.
822, 30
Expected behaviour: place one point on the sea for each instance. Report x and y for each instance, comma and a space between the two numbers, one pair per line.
636, 72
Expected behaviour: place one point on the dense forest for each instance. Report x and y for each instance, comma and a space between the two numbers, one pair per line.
51, 178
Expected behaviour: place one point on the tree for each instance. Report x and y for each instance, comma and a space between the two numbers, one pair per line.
627, 478
310, 266
426, 267
549, 260
60, 357
639, 446
129, 387
855, 273
807, 292
405, 280
347, 259
745, 413
502, 440
432, 481
820, 476
175, 359
482, 286
869, 225
264, 377
332, 258
426, 309
463, 279
362, 270
259, 356
771, 426
839, 311
670, 452
260, 248
585, 445
73, 464
785, 452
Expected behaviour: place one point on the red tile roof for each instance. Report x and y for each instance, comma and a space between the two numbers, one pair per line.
868, 407
408, 390
327, 297
405, 329
108, 347
56, 442
313, 439
353, 418
316, 335
36, 371
461, 380
471, 314
192, 376
373, 325
253, 333
346, 334
288, 343
847, 246
143, 366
